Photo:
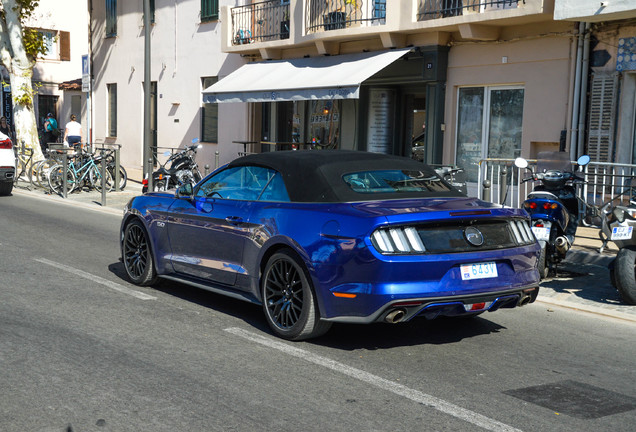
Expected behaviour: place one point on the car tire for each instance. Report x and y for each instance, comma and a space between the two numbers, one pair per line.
289, 301
6, 187
137, 254
625, 275
542, 264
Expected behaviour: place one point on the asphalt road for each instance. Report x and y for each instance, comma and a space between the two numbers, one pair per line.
81, 349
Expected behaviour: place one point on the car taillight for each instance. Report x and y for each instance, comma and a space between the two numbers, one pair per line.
397, 240
6, 144
522, 232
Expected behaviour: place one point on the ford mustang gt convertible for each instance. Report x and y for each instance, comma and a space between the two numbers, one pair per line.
318, 237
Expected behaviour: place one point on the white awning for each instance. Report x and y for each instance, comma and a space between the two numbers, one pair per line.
332, 77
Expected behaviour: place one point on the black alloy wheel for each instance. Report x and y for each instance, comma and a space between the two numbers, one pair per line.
137, 254
288, 299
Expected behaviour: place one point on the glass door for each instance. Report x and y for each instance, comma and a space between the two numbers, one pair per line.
489, 125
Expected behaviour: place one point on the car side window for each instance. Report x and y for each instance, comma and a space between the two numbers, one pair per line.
275, 190
238, 183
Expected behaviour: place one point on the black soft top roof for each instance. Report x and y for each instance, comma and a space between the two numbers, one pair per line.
316, 175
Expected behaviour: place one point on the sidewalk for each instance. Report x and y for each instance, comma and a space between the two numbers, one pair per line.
582, 281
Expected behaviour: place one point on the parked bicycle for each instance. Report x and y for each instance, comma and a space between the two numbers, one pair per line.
84, 170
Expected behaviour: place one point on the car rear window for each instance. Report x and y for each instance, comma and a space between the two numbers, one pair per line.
394, 181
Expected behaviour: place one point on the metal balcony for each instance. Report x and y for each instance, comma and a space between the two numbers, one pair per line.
260, 22
433, 9
324, 15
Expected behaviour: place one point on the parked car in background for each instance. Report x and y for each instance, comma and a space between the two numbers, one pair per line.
7, 165
318, 237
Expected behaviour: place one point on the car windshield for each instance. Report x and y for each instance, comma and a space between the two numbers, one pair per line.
394, 181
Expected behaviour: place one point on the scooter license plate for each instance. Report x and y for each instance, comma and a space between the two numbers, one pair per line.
482, 270
622, 233
541, 233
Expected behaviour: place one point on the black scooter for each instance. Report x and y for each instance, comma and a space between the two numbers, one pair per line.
553, 205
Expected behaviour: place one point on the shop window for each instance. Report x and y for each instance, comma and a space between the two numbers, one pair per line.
209, 115
324, 123
209, 10
111, 18
489, 124
112, 109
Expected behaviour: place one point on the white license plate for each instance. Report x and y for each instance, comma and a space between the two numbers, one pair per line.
541, 233
622, 233
479, 270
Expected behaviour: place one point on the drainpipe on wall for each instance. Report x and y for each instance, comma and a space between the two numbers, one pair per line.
576, 98
584, 80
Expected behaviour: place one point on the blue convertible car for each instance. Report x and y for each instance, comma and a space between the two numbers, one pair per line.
318, 237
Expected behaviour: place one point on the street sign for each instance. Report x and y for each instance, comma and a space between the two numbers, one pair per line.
86, 74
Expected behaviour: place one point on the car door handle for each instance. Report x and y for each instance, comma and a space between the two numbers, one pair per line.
234, 220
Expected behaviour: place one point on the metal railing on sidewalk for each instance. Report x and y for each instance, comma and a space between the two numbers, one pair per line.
500, 181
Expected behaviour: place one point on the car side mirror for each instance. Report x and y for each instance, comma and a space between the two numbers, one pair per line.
185, 191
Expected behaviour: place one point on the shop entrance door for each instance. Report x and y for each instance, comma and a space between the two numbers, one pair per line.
415, 129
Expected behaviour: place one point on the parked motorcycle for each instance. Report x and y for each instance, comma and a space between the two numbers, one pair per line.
553, 205
617, 224
180, 168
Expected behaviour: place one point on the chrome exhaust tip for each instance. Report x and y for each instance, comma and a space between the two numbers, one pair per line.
395, 316
524, 300
562, 244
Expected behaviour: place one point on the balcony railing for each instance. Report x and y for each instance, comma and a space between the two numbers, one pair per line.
432, 9
260, 22
323, 15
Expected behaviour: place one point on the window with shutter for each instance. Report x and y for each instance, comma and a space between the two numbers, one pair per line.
65, 46
601, 119
112, 109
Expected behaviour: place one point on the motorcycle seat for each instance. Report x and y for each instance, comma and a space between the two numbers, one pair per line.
543, 195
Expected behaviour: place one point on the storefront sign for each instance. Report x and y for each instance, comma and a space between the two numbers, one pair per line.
380, 129
7, 105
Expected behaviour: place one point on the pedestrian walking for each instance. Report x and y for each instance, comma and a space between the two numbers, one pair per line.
51, 132
73, 132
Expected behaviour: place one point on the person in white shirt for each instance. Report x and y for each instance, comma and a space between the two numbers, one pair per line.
73, 132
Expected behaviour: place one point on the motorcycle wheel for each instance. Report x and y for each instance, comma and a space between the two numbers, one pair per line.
625, 275
542, 266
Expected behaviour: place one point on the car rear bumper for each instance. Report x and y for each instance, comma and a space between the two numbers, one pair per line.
403, 310
7, 173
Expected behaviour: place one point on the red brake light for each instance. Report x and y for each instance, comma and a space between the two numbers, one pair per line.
6, 144
546, 206
533, 205
539, 225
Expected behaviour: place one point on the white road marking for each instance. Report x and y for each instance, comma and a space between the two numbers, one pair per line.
97, 279
399, 389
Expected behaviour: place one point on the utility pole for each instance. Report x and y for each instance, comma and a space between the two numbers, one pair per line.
147, 154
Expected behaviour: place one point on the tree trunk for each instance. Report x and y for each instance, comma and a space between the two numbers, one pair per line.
23, 114
20, 68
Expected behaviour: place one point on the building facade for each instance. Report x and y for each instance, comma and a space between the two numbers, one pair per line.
65, 32
459, 80
185, 58
608, 120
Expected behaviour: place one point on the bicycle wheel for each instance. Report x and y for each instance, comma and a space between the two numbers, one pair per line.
95, 177
56, 179
123, 176
41, 172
